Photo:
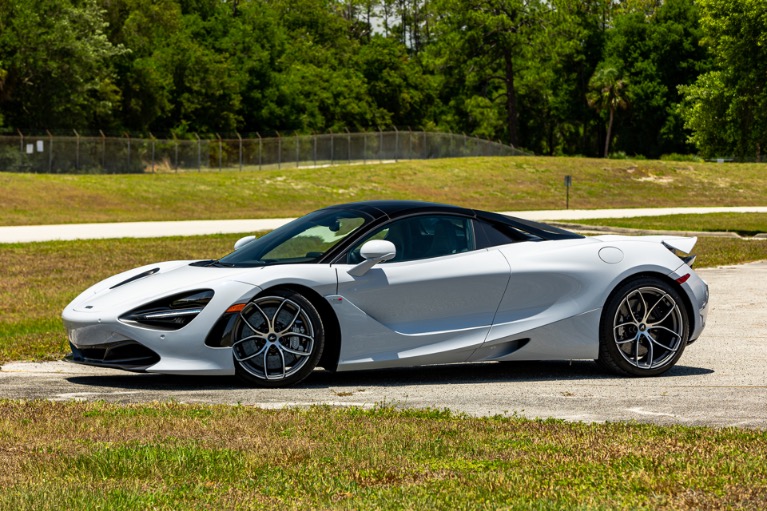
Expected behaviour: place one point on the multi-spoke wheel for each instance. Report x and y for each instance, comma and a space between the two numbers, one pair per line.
279, 339
644, 328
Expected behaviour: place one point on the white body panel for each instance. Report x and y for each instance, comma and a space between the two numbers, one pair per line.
438, 309
531, 300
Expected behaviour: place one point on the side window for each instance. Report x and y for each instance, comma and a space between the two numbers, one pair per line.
491, 236
421, 237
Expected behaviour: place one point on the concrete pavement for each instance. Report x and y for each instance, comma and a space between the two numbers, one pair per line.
32, 233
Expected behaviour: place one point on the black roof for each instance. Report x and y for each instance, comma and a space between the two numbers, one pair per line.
395, 208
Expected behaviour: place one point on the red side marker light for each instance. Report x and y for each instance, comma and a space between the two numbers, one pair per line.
683, 278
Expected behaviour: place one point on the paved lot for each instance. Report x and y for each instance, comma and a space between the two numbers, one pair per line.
719, 381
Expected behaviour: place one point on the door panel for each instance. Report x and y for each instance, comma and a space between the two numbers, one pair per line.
440, 300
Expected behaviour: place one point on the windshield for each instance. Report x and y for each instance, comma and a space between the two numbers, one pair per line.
304, 240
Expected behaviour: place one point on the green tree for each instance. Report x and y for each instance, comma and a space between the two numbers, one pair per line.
656, 48
485, 49
726, 108
55, 64
395, 82
607, 95
145, 28
317, 84
556, 118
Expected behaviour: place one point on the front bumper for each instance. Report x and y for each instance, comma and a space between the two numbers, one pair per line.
99, 338
126, 355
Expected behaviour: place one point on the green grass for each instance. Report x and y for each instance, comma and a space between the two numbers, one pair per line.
39, 279
496, 184
713, 251
745, 224
173, 456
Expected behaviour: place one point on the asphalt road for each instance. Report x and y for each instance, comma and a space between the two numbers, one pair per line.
720, 380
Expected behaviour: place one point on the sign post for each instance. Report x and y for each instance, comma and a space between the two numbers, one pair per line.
568, 184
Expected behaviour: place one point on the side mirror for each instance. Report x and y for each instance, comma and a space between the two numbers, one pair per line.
243, 241
374, 252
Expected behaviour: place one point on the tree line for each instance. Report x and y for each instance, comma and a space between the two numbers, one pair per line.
588, 77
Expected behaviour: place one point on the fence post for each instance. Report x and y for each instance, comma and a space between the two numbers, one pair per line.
396, 144
260, 148
364, 147
126, 135
220, 150
240, 139
298, 147
103, 151
314, 141
21, 149
77, 151
410, 143
331, 147
464, 144
50, 151
175, 150
151, 137
380, 144
348, 146
199, 153
279, 150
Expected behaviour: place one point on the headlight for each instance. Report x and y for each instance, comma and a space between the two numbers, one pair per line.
172, 312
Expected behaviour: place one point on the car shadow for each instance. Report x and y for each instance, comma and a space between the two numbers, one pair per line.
477, 373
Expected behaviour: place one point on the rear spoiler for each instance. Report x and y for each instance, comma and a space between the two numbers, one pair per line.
681, 244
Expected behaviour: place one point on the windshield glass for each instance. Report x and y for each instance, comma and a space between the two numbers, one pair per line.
304, 240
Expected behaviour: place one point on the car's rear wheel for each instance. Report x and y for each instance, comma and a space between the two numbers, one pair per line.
644, 328
279, 339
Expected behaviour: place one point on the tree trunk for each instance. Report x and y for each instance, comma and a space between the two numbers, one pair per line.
511, 101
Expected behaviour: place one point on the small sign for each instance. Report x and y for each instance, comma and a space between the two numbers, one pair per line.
30, 148
40, 146
568, 180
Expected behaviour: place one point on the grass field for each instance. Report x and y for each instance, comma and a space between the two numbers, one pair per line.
497, 184
174, 456
743, 224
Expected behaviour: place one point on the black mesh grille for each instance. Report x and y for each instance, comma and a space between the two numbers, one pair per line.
125, 355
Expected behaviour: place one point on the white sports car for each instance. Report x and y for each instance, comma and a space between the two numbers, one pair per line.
395, 283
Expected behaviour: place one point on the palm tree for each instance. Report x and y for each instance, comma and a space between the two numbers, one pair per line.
607, 93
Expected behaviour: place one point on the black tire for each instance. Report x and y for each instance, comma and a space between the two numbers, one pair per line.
644, 328
279, 339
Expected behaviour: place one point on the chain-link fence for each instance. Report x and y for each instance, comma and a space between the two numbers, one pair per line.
102, 154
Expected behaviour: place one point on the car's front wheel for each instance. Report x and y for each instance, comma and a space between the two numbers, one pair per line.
279, 339
644, 328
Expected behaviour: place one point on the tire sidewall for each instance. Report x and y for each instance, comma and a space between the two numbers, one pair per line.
610, 355
314, 358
